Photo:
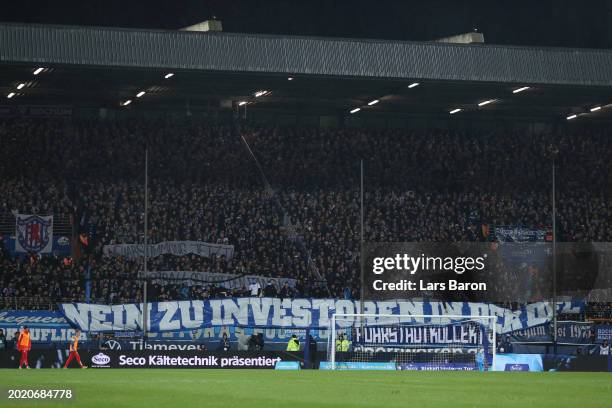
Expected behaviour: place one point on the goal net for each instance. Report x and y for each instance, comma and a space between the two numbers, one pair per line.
412, 342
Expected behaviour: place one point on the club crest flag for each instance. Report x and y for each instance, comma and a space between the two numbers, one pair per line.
34, 233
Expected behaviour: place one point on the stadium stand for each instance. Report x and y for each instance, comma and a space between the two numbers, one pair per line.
293, 209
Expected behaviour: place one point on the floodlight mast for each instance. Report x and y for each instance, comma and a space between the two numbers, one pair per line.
554, 151
146, 233
361, 258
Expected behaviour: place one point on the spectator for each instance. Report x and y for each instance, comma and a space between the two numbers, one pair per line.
2, 339
270, 289
14, 341
286, 291
313, 352
506, 345
224, 343
255, 289
260, 341
604, 349
253, 344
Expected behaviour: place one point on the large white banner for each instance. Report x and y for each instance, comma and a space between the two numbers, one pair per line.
227, 280
292, 313
179, 248
33, 233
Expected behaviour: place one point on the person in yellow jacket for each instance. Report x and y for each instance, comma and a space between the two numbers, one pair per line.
293, 344
342, 344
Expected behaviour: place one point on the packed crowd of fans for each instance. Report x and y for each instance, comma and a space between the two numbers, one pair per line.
287, 199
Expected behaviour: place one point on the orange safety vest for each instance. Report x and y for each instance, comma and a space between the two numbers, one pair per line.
75, 343
23, 341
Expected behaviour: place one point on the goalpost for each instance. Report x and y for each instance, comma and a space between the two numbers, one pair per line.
412, 342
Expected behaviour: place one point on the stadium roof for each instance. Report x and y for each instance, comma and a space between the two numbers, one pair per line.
94, 66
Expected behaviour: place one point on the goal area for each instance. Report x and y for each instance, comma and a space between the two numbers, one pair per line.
411, 342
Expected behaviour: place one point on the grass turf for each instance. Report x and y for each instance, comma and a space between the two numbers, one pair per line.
262, 388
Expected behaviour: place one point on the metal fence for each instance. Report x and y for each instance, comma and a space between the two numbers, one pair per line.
31, 303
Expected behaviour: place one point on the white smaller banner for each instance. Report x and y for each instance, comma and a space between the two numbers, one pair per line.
227, 280
519, 234
33, 233
178, 248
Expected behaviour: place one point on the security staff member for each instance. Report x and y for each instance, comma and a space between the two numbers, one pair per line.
293, 344
342, 344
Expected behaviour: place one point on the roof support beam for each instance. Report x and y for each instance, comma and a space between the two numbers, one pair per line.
226, 52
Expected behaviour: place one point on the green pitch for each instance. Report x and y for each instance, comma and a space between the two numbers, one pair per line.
270, 389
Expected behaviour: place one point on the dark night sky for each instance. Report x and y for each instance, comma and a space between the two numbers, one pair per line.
577, 23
